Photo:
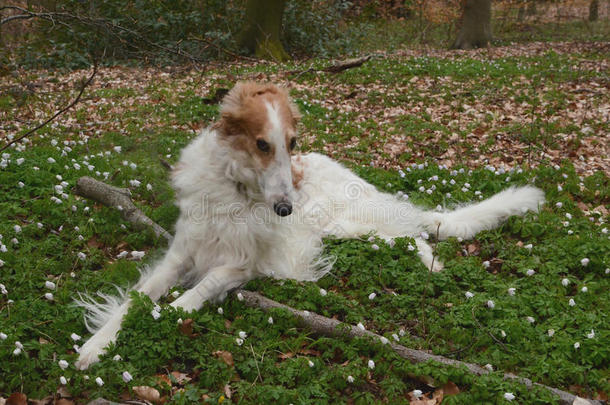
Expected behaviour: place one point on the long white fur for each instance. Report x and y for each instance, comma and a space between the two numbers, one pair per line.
226, 235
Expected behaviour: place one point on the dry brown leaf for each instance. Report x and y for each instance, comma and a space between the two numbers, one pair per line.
163, 379
227, 390
48, 400
64, 401
284, 356
17, 398
180, 378
63, 392
186, 328
147, 393
225, 356
450, 388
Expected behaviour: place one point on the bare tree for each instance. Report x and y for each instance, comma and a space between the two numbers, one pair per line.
475, 30
261, 32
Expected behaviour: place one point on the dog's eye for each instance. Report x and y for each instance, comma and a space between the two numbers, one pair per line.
293, 143
263, 145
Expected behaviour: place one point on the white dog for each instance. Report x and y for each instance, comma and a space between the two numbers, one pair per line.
249, 208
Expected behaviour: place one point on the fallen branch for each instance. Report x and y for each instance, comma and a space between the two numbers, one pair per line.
336, 67
57, 114
119, 198
321, 325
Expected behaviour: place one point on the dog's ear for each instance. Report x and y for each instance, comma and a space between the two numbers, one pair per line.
231, 122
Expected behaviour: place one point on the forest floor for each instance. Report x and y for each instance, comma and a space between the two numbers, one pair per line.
444, 127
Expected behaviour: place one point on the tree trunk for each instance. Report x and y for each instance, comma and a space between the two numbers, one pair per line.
475, 31
261, 32
593, 10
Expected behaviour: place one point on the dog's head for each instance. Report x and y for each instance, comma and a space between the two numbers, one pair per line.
258, 121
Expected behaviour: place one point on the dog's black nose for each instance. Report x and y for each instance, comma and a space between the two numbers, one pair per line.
282, 208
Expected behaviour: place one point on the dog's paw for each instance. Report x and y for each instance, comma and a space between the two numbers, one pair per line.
89, 354
186, 302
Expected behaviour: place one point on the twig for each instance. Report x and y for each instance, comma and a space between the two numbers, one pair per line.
321, 325
58, 113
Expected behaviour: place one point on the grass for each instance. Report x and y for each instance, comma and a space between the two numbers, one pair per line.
44, 237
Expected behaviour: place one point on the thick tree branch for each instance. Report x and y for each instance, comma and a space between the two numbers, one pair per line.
321, 325
119, 198
57, 114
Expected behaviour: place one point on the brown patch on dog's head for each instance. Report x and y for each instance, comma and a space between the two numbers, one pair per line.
244, 119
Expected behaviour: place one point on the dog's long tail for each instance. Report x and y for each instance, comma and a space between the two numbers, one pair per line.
468, 220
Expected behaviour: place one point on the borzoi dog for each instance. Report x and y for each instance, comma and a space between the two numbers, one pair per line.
249, 208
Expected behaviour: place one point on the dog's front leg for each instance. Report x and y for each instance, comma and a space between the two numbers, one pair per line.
154, 284
215, 284
426, 254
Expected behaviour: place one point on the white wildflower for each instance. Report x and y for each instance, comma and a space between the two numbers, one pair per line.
576, 345
117, 357
372, 296
75, 337
530, 319
468, 294
584, 261
572, 302
371, 364
491, 304
509, 396
49, 285
360, 326
49, 296
310, 363
127, 377
323, 292
137, 255
239, 341
99, 381
374, 246
155, 314
3, 336
62, 380
270, 320
584, 289
591, 335
350, 379
63, 364
240, 297
243, 334
550, 332
486, 264
511, 291
489, 367
565, 282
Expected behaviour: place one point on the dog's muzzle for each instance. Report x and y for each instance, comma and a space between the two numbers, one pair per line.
282, 208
